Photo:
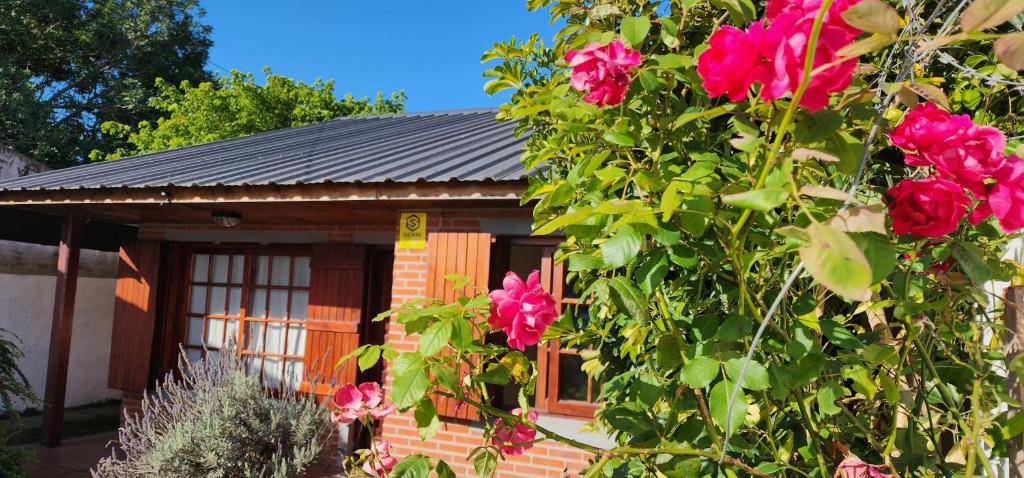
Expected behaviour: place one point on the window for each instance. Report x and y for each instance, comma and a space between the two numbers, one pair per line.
563, 387
269, 332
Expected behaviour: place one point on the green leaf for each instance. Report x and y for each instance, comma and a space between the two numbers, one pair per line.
484, 463
462, 333
837, 334
369, 357
700, 372
827, 395
413, 466
673, 61
879, 252
873, 16
620, 139
719, 405
874, 42
759, 200
426, 418
621, 248
969, 258
443, 470
496, 374
559, 222
1014, 426
735, 327
654, 269
1010, 50
835, 261
668, 352
435, 338
635, 29
756, 377
985, 14
741, 11
628, 299
411, 381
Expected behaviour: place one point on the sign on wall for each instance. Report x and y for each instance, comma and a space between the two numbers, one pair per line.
412, 230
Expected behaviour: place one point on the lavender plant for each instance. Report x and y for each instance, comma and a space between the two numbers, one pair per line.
215, 420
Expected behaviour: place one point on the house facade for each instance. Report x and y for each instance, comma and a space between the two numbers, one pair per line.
282, 246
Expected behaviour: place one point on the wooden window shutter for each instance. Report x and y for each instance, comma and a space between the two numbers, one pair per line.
131, 346
335, 313
463, 253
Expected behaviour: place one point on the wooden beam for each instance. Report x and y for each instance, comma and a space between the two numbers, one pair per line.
60, 332
1013, 345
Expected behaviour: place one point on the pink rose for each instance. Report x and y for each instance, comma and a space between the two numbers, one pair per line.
968, 158
727, 67
517, 438
603, 71
355, 403
1007, 197
785, 45
380, 463
931, 207
925, 126
522, 309
853, 467
350, 402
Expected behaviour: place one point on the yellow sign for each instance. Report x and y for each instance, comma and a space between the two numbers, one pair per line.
412, 230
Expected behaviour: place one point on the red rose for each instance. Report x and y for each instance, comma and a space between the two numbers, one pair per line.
728, 66
970, 157
925, 126
1007, 197
931, 207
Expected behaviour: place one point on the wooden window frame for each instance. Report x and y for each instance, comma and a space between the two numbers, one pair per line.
249, 252
549, 354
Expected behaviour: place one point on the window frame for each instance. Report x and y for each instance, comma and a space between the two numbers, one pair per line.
249, 253
552, 278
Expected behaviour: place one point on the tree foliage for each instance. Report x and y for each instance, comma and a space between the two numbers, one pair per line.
235, 105
68, 66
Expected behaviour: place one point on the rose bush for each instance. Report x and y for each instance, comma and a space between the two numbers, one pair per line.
768, 216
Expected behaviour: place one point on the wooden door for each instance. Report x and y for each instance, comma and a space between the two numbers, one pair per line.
131, 346
335, 313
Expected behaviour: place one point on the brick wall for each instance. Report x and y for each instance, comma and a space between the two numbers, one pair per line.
456, 438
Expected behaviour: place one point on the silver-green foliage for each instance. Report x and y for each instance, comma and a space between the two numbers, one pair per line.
217, 421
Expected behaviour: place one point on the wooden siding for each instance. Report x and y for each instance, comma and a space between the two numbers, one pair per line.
462, 253
134, 315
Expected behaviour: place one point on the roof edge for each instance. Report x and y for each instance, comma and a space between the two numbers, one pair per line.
316, 192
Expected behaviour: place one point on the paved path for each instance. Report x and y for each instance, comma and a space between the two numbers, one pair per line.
73, 459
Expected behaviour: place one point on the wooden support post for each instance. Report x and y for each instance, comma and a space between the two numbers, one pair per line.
60, 332
1013, 346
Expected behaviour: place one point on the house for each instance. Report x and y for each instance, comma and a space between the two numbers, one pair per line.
287, 243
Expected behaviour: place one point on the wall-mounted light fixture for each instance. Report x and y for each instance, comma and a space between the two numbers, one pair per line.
226, 219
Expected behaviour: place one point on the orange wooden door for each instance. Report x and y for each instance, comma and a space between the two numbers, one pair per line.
335, 312
462, 253
131, 346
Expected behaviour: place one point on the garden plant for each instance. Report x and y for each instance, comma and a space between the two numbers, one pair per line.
217, 420
786, 215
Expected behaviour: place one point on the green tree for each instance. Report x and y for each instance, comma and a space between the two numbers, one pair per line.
68, 66
237, 106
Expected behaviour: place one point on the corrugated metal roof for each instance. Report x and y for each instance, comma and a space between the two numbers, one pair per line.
465, 145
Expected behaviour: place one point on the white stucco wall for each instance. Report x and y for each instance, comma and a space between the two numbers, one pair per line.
26, 308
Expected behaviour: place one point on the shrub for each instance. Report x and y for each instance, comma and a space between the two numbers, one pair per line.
14, 388
218, 421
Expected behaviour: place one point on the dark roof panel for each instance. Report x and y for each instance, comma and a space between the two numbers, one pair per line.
466, 145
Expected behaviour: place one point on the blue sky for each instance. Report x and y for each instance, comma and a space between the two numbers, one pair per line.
429, 48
